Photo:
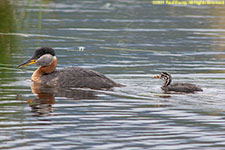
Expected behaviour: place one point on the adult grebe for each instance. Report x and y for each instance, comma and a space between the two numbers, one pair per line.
176, 87
70, 77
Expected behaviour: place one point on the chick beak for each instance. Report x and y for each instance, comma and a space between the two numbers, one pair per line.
27, 63
158, 76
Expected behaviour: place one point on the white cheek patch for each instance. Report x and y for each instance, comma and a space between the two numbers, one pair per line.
166, 79
45, 60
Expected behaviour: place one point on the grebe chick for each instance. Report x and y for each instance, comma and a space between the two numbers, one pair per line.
70, 77
176, 87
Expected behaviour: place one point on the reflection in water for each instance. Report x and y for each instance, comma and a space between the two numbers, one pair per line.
8, 44
43, 103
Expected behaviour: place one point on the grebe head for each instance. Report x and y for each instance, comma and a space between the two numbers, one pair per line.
166, 77
42, 57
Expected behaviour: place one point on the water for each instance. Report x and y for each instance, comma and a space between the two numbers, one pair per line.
130, 42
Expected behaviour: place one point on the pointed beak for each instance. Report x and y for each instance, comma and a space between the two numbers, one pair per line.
27, 63
158, 76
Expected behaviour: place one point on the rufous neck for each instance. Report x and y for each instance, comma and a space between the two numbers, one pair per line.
44, 70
